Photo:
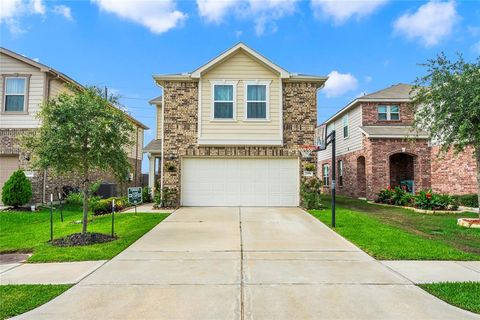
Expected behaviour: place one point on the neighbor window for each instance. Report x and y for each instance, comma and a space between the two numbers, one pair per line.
15, 94
325, 172
257, 101
340, 173
223, 97
388, 113
345, 126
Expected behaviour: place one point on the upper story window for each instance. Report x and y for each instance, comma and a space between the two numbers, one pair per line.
345, 126
257, 100
15, 94
223, 101
388, 113
325, 172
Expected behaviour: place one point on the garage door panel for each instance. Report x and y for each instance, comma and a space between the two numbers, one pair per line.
240, 182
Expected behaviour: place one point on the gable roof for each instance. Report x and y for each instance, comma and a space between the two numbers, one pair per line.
396, 93
197, 73
44, 68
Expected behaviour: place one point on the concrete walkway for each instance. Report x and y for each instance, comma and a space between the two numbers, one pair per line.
436, 271
244, 263
47, 273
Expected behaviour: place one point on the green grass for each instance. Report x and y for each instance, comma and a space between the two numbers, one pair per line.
390, 233
465, 295
30, 232
18, 299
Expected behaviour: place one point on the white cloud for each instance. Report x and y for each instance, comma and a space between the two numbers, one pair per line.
431, 23
64, 11
342, 10
339, 83
13, 10
368, 79
264, 13
157, 16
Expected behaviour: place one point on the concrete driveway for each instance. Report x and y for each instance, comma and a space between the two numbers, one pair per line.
244, 263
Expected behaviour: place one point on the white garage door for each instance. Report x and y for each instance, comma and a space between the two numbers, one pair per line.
8, 164
240, 182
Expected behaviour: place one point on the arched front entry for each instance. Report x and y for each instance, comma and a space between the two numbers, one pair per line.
361, 178
402, 170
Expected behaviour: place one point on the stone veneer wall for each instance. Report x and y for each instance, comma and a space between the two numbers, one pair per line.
370, 114
454, 174
181, 119
9, 146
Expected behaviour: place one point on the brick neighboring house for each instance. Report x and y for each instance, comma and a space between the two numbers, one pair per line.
228, 133
377, 146
24, 85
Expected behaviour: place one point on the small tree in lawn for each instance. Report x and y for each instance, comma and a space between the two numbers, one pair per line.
447, 101
81, 133
17, 190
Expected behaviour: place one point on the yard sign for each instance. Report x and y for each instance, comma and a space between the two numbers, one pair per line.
135, 195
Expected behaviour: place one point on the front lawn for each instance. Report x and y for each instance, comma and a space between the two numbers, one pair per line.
391, 233
18, 299
465, 295
30, 232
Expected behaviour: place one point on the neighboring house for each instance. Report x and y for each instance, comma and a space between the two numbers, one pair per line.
228, 132
376, 147
24, 85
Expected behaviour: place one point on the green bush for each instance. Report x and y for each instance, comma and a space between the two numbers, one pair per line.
427, 200
104, 206
310, 193
385, 196
147, 197
76, 199
17, 190
467, 200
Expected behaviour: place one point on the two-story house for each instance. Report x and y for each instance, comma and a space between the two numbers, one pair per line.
229, 131
24, 85
377, 146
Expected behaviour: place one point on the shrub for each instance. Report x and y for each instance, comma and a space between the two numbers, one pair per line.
310, 167
104, 206
401, 197
147, 197
310, 193
427, 200
385, 196
467, 200
76, 199
17, 190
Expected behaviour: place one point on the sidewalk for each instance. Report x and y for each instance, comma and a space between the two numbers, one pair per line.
436, 271
47, 273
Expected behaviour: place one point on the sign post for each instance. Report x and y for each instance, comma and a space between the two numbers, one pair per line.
135, 196
61, 206
113, 218
51, 216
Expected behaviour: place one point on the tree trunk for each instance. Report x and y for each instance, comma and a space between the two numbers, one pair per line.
85, 208
477, 156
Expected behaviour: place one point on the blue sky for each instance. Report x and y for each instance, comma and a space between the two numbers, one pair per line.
363, 45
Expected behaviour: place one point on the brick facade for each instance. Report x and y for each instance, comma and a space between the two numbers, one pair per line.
53, 183
370, 114
181, 123
385, 165
454, 174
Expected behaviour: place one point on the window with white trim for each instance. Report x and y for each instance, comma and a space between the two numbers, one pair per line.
257, 101
325, 172
345, 126
223, 101
15, 94
340, 173
388, 113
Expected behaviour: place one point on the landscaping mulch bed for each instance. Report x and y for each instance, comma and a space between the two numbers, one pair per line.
80, 239
19, 209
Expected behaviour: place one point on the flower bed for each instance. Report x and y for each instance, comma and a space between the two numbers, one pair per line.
424, 200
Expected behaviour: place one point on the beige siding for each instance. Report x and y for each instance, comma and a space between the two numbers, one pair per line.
241, 68
10, 65
159, 122
354, 140
56, 87
136, 152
